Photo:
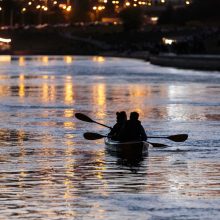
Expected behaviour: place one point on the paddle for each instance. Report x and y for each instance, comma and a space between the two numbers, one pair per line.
85, 118
93, 136
96, 136
176, 138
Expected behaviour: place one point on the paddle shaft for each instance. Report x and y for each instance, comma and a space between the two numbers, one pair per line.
102, 124
86, 118
96, 136
157, 137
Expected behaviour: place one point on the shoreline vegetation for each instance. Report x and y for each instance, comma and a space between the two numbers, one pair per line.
192, 47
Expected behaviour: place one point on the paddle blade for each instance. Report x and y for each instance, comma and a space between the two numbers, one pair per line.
92, 136
83, 117
158, 145
178, 137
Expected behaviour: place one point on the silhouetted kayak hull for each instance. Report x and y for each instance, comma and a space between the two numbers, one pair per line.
128, 148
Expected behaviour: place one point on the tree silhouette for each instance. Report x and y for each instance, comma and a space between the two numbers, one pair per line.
11, 11
81, 10
132, 18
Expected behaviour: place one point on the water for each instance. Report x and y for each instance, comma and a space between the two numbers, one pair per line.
47, 169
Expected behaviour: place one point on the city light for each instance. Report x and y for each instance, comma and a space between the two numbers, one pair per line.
128, 4
43, 11
5, 40
167, 41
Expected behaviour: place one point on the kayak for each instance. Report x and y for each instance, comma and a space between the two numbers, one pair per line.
128, 148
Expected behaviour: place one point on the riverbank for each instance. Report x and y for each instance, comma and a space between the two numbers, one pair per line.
199, 62
113, 41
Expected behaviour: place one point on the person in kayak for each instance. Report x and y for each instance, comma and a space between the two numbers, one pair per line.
121, 118
132, 129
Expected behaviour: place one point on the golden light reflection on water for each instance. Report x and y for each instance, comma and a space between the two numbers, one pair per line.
5, 91
98, 59
68, 59
21, 182
48, 91
69, 94
136, 94
21, 61
63, 168
21, 86
45, 77
69, 114
138, 97
5, 58
44, 60
99, 99
45, 96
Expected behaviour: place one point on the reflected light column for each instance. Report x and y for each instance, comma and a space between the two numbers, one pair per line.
99, 98
69, 94
21, 86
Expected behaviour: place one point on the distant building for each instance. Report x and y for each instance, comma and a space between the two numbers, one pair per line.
5, 44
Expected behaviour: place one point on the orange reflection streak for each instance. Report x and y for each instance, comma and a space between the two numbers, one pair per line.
68, 113
48, 92
136, 95
44, 60
45, 77
69, 125
140, 91
68, 59
52, 92
99, 94
99, 100
21, 179
21, 91
4, 58
5, 91
98, 59
21, 61
4, 77
45, 96
52, 77
69, 94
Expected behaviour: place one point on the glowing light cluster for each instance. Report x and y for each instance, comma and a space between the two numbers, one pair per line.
65, 7
5, 40
168, 41
99, 8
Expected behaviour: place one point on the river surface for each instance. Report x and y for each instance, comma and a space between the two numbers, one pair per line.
49, 171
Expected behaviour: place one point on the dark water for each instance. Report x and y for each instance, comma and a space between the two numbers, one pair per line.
47, 169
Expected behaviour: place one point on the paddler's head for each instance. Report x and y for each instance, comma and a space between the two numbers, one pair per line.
134, 116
